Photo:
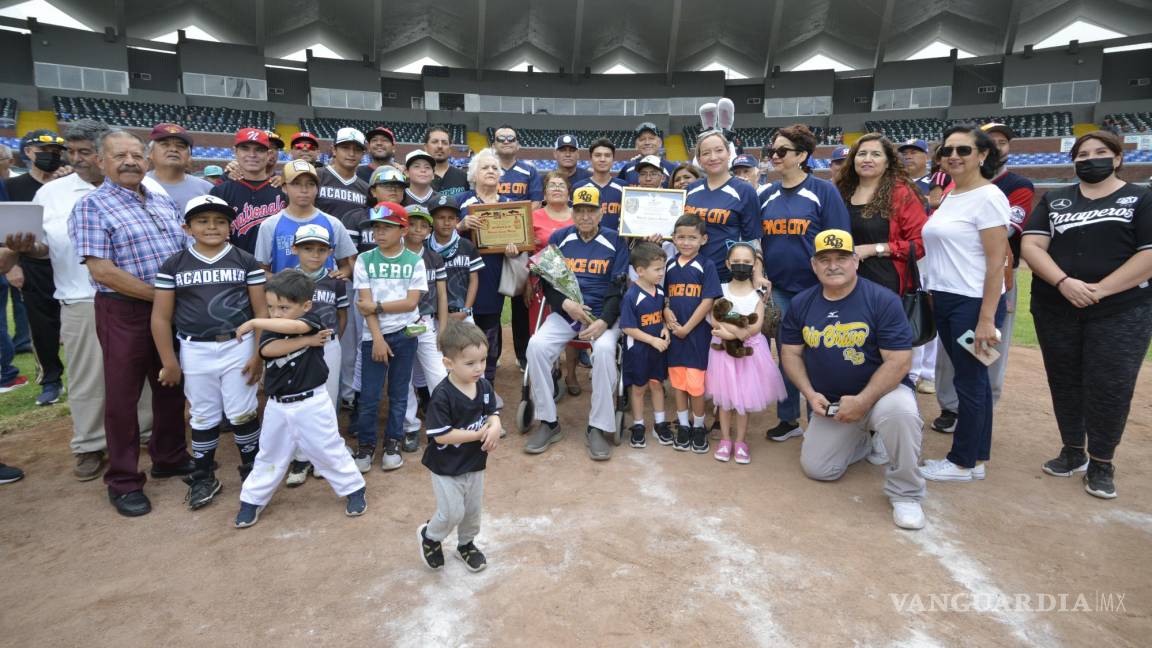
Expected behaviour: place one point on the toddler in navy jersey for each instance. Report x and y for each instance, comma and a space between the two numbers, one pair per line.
642, 320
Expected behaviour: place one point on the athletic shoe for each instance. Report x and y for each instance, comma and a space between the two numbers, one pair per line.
878, 455
1098, 480
664, 433
179, 470
9, 474
723, 450
945, 470
391, 459
473, 558
363, 458
431, 552
411, 441
978, 472
89, 465
700, 440
1071, 460
543, 437
946, 422
637, 440
925, 386
49, 395
357, 503
249, 514
742, 454
683, 439
908, 515
202, 490
348, 404
298, 473
15, 383
499, 402
599, 449
584, 359
785, 430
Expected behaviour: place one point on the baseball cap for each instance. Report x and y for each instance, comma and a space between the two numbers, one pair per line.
566, 140
832, 240
652, 161
586, 196
165, 130
418, 154
348, 134
254, 135
418, 211
208, 203
745, 161
312, 233
647, 126
388, 213
213, 171
914, 143
275, 140
997, 127
840, 153
387, 174
381, 130
445, 202
305, 135
40, 137
297, 168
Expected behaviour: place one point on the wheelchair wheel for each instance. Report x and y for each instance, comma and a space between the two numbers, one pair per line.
557, 392
619, 436
525, 412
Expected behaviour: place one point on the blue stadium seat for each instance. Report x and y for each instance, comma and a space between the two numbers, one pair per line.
136, 114
406, 132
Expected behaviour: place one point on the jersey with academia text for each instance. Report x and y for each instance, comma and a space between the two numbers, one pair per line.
328, 299
449, 409
211, 293
296, 372
688, 284
347, 200
610, 196
599, 265
253, 202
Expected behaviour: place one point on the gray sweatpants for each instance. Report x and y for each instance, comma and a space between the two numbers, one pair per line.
945, 373
829, 446
458, 500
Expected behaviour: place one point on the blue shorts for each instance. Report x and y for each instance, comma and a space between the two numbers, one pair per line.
642, 364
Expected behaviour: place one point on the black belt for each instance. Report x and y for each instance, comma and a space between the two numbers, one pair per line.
294, 398
226, 337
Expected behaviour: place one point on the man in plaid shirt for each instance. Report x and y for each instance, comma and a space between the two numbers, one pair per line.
123, 232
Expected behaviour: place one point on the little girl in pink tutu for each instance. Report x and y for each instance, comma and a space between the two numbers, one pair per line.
749, 383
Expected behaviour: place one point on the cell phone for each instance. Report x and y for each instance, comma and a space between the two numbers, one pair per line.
832, 409
413, 330
968, 340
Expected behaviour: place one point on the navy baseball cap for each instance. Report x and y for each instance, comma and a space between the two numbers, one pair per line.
648, 126
745, 161
566, 140
444, 202
840, 153
914, 143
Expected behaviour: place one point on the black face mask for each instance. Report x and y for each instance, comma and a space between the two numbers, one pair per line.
742, 271
1094, 170
48, 161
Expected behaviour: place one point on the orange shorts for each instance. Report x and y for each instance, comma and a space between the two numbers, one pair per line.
687, 380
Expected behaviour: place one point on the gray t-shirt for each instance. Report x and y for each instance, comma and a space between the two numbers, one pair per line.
187, 189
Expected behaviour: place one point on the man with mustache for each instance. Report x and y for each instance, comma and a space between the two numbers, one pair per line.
170, 151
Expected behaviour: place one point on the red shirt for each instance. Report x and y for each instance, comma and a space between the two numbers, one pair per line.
543, 225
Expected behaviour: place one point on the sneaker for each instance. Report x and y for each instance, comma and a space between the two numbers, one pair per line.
202, 490
49, 395
363, 458
411, 441
585, 360
1098, 480
357, 503
946, 422
925, 386
391, 459
742, 454
298, 473
599, 448
723, 451
683, 439
664, 434
700, 440
878, 455
9, 474
945, 470
1071, 460
89, 465
785, 430
15, 383
908, 515
637, 438
978, 472
499, 402
249, 514
431, 552
473, 558
543, 437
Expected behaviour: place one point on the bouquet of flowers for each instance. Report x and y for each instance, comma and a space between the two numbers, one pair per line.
549, 265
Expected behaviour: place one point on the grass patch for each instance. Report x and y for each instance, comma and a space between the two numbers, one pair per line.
18, 407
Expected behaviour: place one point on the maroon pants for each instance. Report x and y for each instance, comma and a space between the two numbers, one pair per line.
130, 358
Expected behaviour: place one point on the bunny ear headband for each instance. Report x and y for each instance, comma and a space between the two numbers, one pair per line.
718, 116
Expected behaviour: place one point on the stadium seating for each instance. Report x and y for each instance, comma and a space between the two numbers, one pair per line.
546, 138
1055, 124
762, 136
407, 132
1138, 122
138, 114
7, 112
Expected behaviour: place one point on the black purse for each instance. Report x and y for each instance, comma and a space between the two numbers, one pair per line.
918, 304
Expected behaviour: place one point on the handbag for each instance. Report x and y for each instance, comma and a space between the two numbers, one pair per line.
918, 304
514, 275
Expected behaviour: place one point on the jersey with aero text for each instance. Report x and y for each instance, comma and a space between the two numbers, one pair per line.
460, 262
253, 202
347, 200
328, 299
389, 279
631, 177
790, 219
297, 372
610, 196
450, 409
687, 284
211, 293
521, 182
1020, 192
435, 271
599, 264
731, 214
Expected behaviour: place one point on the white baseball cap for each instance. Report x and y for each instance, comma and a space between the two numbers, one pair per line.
418, 154
652, 161
348, 134
208, 203
311, 233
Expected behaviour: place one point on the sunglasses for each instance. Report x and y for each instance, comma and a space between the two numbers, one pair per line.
962, 151
506, 139
47, 139
780, 152
304, 146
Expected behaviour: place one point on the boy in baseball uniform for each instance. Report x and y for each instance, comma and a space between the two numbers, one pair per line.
428, 367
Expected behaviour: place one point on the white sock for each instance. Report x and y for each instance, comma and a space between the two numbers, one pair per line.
639, 422
659, 416
698, 421
682, 417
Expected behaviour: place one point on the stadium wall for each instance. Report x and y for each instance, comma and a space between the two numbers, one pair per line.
1119, 69
205, 57
17, 67
606, 86
51, 44
163, 68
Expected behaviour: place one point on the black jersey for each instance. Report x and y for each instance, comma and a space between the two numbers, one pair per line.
211, 294
453, 183
449, 409
460, 261
253, 202
329, 298
426, 201
347, 200
299, 371
434, 266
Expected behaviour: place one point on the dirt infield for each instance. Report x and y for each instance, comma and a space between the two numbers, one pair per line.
653, 548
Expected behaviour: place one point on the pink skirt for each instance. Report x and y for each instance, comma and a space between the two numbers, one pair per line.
748, 384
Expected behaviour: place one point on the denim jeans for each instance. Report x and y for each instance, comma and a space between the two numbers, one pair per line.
789, 408
22, 335
397, 371
8, 371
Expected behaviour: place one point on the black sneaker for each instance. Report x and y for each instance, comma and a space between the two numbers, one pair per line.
1098, 480
1071, 460
473, 558
946, 422
784, 430
637, 440
683, 438
431, 551
700, 440
411, 441
357, 503
297, 473
664, 433
202, 490
391, 459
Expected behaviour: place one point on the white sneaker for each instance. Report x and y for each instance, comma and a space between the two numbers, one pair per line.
878, 456
944, 470
978, 472
908, 515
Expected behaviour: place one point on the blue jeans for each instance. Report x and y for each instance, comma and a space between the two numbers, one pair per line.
789, 408
22, 336
956, 314
398, 373
8, 371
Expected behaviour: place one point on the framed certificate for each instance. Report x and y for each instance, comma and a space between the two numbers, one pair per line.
501, 224
644, 212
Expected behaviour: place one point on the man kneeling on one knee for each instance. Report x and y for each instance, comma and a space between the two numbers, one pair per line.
599, 259
847, 346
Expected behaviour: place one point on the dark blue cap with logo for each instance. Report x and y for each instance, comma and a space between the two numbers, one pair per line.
914, 143
444, 202
839, 153
566, 140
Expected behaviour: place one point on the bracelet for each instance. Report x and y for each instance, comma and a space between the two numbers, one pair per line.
1057, 284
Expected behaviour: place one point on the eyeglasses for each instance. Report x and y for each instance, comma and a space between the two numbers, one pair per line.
962, 151
505, 139
781, 151
557, 185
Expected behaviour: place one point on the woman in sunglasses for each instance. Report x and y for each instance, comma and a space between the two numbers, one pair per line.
966, 243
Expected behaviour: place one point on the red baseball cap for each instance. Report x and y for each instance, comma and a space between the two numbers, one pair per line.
305, 135
254, 135
381, 130
388, 213
164, 131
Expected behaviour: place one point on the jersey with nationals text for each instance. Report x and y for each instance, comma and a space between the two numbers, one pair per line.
389, 279
253, 202
328, 299
297, 372
611, 194
521, 181
450, 409
631, 176
211, 293
347, 200
791, 217
434, 268
731, 214
687, 283
600, 265
1020, 192
1090, 239
460, 262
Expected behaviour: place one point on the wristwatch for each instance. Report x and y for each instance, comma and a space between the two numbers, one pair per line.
879, 249
467, 310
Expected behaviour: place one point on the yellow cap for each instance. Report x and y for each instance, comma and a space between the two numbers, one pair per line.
297, 168
834, 239
586, 196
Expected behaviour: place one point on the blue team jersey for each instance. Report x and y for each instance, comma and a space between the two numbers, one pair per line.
610, 196
282, 256
688, 284
599, 265
520, 182
631, 177
791, 219
578, 175
731, 213
842, 339
645, 311
489, 301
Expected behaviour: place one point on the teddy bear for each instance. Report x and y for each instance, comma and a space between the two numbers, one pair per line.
722, 312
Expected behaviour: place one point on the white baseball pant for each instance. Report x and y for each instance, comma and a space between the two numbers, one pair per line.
215, 383
309, 424
923, 362
545, 347
430, 364
332, 358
